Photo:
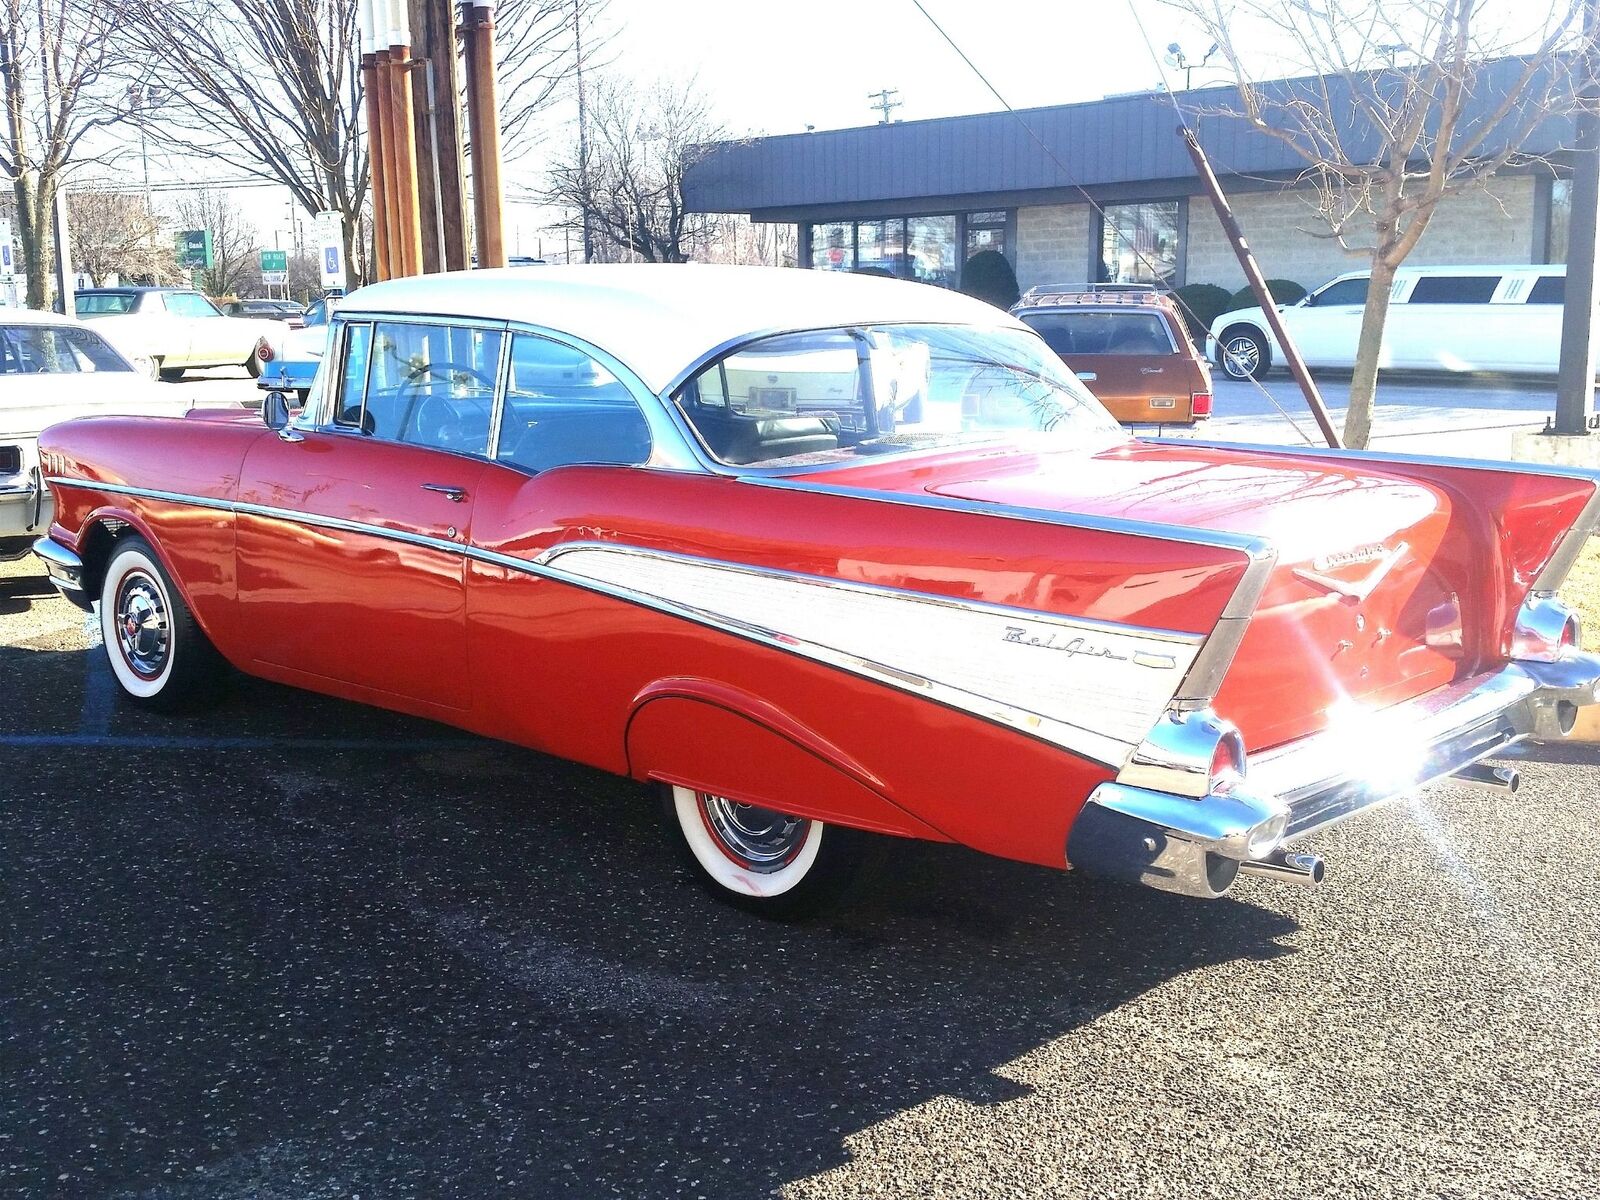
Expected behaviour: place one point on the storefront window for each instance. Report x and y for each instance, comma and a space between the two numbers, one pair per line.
1139, 243
882, 247
932, 247
987, 231
833, 246
1560, 219
928, 249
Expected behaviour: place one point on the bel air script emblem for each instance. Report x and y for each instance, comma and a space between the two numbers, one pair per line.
1052, 641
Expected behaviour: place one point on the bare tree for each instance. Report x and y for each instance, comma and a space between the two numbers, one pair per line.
57, 57
537, 47
1410, 103
115, 233
235, 242
630, 184
740, 241
270, 88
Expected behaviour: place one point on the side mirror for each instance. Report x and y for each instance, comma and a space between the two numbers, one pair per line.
275, 414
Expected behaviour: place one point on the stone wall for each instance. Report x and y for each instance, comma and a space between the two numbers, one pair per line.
1486, 225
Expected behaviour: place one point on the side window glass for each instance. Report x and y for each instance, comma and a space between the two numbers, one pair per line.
432, 385
1454, 289
1548, 289
1346, 291
562, 407
150, 302
353, 377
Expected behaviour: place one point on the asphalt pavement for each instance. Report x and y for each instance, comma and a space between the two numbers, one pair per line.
294, 948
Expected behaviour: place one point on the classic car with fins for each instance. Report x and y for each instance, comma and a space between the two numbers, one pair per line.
736, 533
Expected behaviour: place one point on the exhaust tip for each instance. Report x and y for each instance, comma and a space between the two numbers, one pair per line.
1505, 780
1307, 870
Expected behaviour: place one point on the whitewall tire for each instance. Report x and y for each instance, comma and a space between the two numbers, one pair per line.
159, 656
760, 859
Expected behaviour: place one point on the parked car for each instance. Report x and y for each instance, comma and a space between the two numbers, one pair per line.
53, 369
1499, 319
1129, 344
528, 503
287, 311
295, 368
178, 329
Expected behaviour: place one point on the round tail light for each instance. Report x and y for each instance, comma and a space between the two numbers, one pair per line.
264, 352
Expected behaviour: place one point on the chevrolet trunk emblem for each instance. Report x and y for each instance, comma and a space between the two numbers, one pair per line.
1352, 589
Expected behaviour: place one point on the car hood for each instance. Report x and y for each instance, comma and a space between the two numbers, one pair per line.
29, 404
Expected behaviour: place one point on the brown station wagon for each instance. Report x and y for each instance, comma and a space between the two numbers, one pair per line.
1129, 345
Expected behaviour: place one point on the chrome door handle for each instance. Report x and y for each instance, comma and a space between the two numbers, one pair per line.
447, 490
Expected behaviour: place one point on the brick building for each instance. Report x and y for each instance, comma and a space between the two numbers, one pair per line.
1099, 190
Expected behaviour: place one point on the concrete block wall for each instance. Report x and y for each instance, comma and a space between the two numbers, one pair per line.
1484, 225
1053, 244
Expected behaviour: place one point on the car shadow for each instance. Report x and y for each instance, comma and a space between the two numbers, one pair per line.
18, 593
294, 946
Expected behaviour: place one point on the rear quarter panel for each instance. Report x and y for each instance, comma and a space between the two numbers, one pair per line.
568, 671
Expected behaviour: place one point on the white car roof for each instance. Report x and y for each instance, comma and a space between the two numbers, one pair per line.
660, 319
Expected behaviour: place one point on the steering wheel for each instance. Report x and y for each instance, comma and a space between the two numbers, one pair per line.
447, 426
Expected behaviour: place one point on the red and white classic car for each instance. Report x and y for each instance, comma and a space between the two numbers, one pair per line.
737, 533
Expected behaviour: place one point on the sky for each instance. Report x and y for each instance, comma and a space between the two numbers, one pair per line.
773, 67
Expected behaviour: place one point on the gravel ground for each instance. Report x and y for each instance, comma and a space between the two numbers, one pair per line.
298, 949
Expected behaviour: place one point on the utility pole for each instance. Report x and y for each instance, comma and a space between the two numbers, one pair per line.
583, 130
483, 128
377, 155
884, 102
1575, 376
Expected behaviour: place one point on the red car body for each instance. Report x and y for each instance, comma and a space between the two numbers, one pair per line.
1160, 662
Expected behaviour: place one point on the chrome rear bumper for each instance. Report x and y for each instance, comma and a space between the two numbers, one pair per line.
1190, 844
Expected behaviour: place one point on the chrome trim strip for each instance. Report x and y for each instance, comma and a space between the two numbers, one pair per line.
1205, 674
1566, 554
1036, 616
1089, 743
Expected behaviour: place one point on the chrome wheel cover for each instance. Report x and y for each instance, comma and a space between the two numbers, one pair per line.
144, 629
757, 839
1241, 356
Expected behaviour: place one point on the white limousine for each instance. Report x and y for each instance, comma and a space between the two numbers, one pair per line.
1484, 318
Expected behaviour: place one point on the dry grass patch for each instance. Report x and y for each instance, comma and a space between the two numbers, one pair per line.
1582, 590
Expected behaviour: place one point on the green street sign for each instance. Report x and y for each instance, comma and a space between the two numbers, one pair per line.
194, 249
274, 260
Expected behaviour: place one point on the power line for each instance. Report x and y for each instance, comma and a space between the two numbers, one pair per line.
1083, 192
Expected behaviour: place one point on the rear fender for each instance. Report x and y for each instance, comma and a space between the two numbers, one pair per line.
712, 737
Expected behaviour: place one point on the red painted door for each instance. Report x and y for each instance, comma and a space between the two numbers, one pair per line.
348, 567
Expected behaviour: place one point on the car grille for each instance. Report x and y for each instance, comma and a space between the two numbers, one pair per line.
10, 460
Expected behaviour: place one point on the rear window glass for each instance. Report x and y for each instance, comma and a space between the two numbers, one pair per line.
1081, 333
100, 304
1454, 289
1548, 289
55, 350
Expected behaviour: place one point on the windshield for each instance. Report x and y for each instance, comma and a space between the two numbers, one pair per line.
55, 350
1081, 333
834, 395
100, 304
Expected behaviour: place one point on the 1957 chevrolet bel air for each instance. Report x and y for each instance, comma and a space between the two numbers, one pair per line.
740, 533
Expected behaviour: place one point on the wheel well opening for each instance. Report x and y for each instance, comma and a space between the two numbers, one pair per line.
95, 551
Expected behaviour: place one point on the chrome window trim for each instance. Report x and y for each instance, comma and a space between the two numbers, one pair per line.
669, 447
1085, 743
704, 459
